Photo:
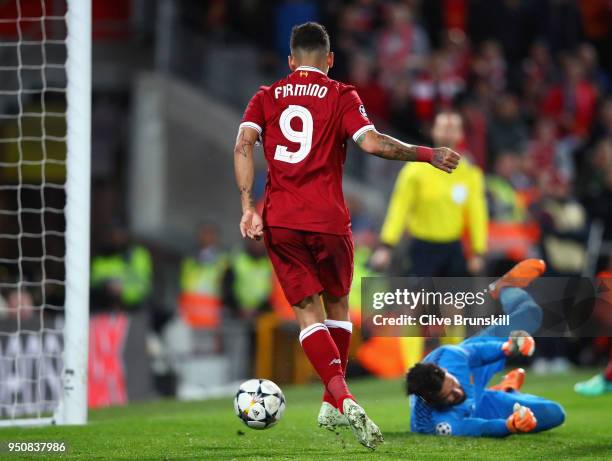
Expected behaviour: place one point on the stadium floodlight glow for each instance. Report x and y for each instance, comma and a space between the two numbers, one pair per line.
43, 368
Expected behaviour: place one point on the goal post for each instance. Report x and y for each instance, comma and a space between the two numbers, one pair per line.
45, 189
73, 398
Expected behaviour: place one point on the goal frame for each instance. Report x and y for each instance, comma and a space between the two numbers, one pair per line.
72, 406
73, 398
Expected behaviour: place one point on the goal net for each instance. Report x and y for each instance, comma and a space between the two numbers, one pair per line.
45, 102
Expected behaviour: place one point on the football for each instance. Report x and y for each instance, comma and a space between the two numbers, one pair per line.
259, 403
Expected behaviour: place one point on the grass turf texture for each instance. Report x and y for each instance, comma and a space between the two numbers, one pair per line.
170, 430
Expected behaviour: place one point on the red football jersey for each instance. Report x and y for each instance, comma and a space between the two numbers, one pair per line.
304, 121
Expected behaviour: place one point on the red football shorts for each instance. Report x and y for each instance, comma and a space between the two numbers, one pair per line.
308, 263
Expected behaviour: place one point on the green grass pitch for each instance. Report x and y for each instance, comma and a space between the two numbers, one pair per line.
170, 430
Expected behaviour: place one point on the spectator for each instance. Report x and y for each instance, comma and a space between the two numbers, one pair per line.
435, 88
572, 102
444, 16
17, 304
356, 24
507, 130
201, 281
121, 273
476, 126
603, 125
374, 97
538, 73
247, 283
597, 185
503, 200
489, 66
456, 48
564, 227
589, 60
402, 111
402, 44
546, 154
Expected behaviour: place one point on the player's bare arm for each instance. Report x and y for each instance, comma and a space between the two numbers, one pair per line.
251, 224
387, 147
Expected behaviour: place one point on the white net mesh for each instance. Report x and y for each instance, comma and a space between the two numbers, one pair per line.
32, 201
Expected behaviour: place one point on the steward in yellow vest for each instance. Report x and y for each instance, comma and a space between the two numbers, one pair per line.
121, 274
200, 299
249, 279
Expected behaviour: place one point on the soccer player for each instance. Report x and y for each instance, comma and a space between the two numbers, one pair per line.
303, 122
449, 385
601, 383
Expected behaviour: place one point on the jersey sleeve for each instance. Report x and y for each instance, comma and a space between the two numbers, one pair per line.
470, 427
354, 120
254, 113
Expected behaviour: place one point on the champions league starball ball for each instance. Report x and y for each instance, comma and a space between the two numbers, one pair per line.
259, 403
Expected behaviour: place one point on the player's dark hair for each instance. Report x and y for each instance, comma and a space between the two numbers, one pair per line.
309, 37
425, 380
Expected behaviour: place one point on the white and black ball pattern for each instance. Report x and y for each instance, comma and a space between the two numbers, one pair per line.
259, 403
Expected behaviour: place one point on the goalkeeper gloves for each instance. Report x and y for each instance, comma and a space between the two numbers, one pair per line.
522, 420
519, 343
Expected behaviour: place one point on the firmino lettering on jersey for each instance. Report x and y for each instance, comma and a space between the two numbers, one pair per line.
312, 89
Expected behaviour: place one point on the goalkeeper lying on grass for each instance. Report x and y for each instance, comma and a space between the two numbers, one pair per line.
449, 387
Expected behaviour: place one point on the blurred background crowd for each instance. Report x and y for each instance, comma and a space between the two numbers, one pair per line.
527, 89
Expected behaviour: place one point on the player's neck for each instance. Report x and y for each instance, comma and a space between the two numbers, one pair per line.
313, 65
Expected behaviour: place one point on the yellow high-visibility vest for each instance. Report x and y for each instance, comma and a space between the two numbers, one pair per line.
252, 280
134, 270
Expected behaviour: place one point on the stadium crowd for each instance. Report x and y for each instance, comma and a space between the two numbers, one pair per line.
531, 79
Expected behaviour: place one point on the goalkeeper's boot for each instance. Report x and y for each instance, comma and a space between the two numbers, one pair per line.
597, 385
520, 276
367, 433
511, 382
330, 418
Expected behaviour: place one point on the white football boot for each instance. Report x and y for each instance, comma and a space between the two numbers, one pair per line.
368, 434
330, 418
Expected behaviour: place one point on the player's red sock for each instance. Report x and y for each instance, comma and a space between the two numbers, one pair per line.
324, 356
341, 332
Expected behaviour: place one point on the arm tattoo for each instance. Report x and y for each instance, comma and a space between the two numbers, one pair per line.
243, 144
392, 149
438, 157
243, 164
246, 194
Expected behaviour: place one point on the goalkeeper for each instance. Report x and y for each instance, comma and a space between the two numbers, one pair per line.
449, 386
